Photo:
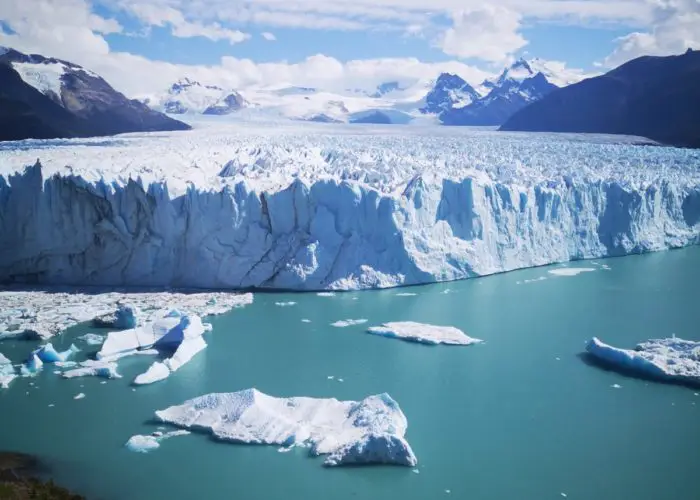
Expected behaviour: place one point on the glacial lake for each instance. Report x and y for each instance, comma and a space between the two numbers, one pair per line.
521, 416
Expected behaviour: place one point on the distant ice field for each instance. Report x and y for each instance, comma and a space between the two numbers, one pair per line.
269, 155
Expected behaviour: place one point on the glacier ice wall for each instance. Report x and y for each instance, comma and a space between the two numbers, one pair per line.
325, 234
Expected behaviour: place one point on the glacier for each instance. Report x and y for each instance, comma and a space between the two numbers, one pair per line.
670, 360
332, 207
348, 432
423, 333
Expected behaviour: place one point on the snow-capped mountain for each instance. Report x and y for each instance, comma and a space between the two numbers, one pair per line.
450, 91
517, 86
43, 97
190, 96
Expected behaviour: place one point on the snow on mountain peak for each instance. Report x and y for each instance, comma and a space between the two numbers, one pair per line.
46, 77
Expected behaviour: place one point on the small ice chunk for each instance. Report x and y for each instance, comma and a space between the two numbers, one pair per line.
51, 405
48, 354
616, 386
571, 271
349, 432
671, 359
330, 377
341, 380
92, 368
7, 372
143, 444
416, 471
406, 294
326, 294
285, 304
79, 396
92, 339
348, 322
306, 320
563, 495
448, 491
423, 333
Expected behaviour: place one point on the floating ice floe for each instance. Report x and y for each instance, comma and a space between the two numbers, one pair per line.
348, 432
406, 294
306, 320
48, 354
7, 372
162, 370
570, 271
93, 368
348, 322
326, 294
285, 304
79, 396
423, 333
42, 314
143, 444
673, 359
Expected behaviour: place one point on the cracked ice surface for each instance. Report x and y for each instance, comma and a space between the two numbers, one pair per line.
673, 359
349, 432
42, 314
312, 208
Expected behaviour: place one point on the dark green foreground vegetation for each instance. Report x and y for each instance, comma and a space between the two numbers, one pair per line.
16, 482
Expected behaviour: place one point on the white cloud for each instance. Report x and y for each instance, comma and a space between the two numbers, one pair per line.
159, 15
270, 37
488, 32
675, 28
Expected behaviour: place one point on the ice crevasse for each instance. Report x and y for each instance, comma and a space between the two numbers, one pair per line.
328, 233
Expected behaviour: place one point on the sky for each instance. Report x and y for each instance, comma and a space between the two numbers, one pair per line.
142, 46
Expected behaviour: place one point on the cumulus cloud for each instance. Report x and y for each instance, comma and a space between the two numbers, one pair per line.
158, 15
270, 37
675, 27
487, 32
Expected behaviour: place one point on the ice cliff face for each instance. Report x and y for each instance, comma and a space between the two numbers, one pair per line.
338, 225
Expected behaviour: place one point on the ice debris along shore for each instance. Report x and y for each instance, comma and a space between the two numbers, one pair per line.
318, 209
41, 314
672, 360
423, 333
348, 432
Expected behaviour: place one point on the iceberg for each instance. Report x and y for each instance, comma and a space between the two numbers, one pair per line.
162, 370
32, 366
92, 368
348, 432
670, 360
7, 372
344, 209
166, 332
125, 317
143, 444
48, 354
39, 315
423, 333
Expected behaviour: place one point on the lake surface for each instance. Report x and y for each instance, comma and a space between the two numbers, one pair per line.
521, 416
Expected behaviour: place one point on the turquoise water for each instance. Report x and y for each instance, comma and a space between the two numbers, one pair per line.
500, 420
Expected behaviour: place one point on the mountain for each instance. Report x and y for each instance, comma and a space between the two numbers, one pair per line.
187, 96
518, 85
654, 97
449, 92
46, 98
386, 88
